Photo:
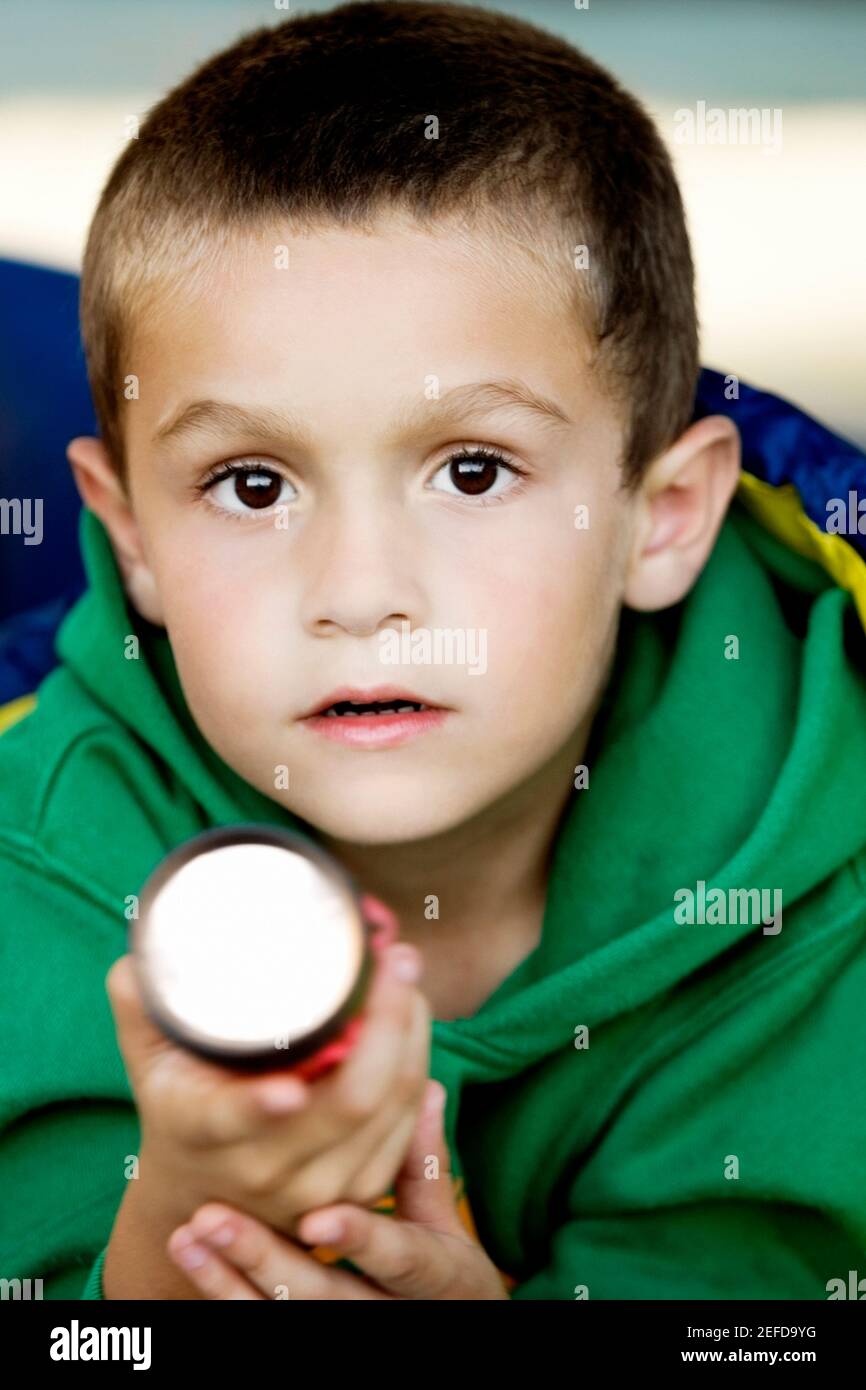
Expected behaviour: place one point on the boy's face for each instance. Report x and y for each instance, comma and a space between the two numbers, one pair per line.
366, 528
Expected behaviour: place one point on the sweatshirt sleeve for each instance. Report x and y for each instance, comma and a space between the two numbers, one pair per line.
69, 1132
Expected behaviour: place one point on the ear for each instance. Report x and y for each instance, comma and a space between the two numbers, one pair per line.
102, 491
681, 503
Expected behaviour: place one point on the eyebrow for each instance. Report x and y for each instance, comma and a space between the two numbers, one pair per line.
482, 397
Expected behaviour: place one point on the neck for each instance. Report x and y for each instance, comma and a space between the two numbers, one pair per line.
489, 871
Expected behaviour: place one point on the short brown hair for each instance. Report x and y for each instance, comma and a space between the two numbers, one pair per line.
322, 118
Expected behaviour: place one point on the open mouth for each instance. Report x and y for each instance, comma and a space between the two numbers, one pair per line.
347, 709
392, 719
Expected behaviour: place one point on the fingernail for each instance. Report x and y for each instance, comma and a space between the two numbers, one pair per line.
326, 1231
191, 1256
222, 1236
278, 1096
214, 1228
406, 964
436, 1098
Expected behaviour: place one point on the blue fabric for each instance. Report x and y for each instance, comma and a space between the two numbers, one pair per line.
45, 401
782, 444
27, 646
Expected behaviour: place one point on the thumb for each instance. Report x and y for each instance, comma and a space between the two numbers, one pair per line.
137, 1034
424, 1186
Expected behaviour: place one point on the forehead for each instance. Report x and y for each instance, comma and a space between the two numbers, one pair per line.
316, 315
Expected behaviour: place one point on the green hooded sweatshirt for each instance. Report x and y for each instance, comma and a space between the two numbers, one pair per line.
656, 1103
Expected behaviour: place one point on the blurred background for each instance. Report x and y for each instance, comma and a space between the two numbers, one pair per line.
777, 227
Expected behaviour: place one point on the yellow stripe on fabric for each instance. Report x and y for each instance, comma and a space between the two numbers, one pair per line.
15, 710
781, 511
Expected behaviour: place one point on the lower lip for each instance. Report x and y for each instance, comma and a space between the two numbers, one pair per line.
375, 730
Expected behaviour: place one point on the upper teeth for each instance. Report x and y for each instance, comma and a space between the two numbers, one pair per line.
332, 713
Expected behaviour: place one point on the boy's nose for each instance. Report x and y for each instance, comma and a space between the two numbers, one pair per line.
359, 575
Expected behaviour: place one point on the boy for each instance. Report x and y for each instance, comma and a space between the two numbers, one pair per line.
412, 282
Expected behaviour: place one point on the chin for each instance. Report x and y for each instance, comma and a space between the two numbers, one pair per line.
374, 824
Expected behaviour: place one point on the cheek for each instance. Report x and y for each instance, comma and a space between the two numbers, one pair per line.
556, 597
225, 642
555, 623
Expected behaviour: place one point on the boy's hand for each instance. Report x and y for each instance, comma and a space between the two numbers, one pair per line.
422, 1251
272, 1144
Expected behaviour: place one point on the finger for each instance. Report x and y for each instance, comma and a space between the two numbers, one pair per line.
424, 1185
372, 1186
366, 1075
328, 1178
137, 1034
218, 1106
407, 1261
207, 1270
383, 1143
273, 1265
362, 1165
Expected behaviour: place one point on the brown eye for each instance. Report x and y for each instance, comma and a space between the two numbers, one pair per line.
478, 473
473, 476
257, 490
243, 491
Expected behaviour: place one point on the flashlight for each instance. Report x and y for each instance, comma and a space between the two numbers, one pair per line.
255, 948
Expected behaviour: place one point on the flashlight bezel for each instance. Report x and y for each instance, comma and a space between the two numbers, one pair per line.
252, 1056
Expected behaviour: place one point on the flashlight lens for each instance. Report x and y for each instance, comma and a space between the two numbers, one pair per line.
250, 945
